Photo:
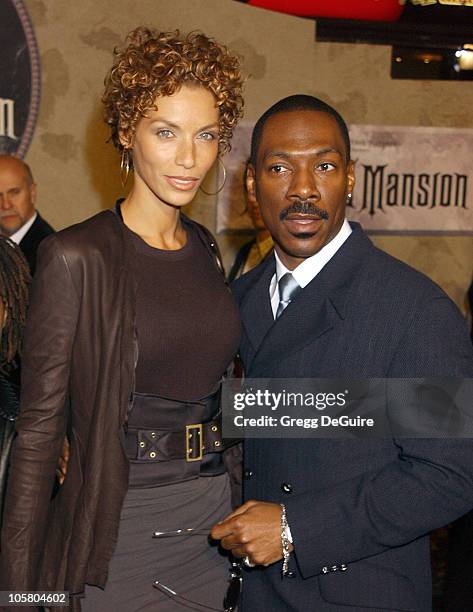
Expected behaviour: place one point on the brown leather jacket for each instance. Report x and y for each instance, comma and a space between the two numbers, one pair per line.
80, 337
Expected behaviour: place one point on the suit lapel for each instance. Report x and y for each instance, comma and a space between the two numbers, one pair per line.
30, 239
316, 310
255, 308
39, 230
307, 318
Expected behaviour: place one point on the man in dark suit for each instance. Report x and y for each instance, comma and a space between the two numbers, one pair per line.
19, 220
331, 305
259, 248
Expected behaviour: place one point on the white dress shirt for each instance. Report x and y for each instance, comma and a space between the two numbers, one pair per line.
310, 267
18, 236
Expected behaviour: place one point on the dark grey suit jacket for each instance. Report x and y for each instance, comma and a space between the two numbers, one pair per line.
366, 504
31, 240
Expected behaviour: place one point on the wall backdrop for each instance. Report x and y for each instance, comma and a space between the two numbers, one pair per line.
78, 172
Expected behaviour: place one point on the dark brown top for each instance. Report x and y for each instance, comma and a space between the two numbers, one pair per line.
187, 321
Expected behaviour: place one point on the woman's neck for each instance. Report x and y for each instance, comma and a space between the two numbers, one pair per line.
157, 223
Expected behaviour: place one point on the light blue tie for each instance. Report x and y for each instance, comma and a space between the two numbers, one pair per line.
288, 289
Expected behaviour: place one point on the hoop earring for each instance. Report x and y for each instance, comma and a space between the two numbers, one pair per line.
124, 167
224, 180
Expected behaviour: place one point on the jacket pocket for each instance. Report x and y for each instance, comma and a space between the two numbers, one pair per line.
368, 585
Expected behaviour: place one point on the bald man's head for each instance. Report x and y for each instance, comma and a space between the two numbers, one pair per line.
17, 194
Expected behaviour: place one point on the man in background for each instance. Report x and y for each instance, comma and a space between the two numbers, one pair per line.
256, 250
19, 219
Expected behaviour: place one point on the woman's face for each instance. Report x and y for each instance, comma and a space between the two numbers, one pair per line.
175, 146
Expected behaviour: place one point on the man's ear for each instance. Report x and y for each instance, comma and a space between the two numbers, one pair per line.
33, 193
251, 183
351, 176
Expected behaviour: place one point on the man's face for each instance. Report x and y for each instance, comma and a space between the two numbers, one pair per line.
301, 181
17, 195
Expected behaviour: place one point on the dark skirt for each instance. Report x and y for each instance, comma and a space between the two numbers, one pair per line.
189, 565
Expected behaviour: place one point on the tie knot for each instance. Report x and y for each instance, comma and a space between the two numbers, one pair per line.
288, 287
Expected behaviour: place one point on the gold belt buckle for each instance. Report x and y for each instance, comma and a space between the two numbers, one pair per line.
194, 435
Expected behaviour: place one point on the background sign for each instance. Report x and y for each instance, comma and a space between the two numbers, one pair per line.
408, 179
19, 78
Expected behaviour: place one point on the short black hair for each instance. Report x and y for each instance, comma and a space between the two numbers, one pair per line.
298, 102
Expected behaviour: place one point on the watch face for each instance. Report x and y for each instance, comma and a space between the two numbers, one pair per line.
19, 78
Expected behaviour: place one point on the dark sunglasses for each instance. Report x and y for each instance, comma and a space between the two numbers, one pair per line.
232, 596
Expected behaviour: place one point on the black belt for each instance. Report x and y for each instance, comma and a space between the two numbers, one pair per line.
190, 443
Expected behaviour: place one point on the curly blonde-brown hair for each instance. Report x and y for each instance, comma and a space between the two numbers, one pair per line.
155, 64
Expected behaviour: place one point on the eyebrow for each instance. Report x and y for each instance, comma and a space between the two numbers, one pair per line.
288, 156
174, 125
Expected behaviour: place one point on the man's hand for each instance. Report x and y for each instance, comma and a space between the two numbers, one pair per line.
252, 530
63, 460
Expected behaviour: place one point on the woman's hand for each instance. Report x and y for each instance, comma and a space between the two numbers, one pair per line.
63, 461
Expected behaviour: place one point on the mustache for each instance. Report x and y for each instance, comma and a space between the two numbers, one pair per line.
304, 207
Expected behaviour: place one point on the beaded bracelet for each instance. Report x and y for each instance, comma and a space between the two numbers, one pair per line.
284, 542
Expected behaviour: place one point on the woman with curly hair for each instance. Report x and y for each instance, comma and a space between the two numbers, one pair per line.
14, 279
130, 331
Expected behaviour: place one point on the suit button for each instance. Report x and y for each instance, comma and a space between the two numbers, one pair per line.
290, 574
247, 474
286, 488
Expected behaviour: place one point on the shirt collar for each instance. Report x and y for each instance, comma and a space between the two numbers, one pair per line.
18, 236
310, 267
